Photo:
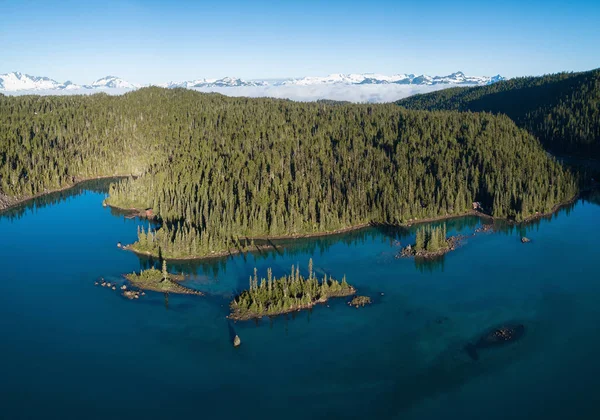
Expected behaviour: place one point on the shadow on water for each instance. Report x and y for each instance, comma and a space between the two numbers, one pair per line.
100, 186
453, 367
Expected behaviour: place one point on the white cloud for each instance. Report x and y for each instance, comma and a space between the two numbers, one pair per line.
352, 93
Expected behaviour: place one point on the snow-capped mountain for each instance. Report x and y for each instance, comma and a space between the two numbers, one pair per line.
112, 82
210, 83
16, 81
68, 85
457, 78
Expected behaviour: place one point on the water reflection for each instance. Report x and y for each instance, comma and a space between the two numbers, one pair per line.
284, 249
100, 186
429, 265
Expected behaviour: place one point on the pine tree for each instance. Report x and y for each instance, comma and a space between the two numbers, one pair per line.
165, 273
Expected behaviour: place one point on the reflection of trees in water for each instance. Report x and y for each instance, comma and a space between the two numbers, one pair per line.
457, 224
593, 197
315, 246
96, 186
429, 265
522, 229
194, 267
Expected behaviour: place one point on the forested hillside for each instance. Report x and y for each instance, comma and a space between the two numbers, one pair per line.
562, 110
216, 169
47, 142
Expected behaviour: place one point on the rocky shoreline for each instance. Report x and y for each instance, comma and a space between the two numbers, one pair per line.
235, 315
453, 242
153, 280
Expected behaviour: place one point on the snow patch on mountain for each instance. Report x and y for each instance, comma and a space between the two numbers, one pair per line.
15, 81
212, 83
457, 78
112, 82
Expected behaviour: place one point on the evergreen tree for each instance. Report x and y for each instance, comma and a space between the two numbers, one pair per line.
165, 273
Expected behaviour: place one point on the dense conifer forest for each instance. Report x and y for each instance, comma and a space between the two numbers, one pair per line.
562, 110
217, 169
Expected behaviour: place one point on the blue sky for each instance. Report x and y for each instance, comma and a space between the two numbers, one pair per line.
157, 41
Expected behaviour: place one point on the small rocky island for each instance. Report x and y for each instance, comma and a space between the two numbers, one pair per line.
360, 301
160, 281
431, 242
293, 292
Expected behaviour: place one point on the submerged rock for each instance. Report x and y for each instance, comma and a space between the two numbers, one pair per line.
496, 337
237, 341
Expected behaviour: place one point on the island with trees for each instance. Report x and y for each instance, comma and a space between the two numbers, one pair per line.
430, 242
160, 281
293, 292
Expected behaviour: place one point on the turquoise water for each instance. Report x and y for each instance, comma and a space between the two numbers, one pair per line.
73, 350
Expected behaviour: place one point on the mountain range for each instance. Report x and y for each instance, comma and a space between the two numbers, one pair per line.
16, 81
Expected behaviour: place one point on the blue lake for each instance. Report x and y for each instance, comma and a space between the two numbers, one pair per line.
74, 350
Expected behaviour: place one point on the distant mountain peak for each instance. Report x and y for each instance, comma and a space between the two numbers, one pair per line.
17, 81
403, 79
112, 82
211, 83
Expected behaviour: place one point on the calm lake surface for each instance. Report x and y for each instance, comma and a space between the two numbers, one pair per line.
74, 350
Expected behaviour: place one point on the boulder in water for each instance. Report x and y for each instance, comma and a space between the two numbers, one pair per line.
525, 240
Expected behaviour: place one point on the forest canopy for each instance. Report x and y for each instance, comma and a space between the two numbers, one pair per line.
562, 110
216, 169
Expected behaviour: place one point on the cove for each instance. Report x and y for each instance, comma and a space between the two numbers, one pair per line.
74, 350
